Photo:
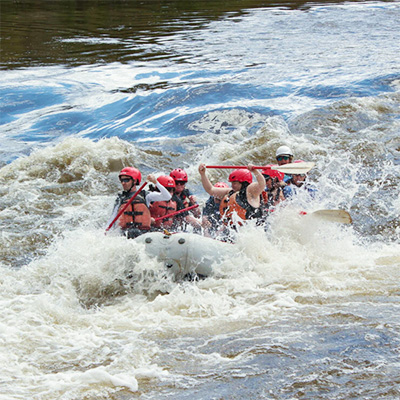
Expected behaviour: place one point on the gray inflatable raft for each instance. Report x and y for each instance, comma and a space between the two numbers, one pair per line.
185, 254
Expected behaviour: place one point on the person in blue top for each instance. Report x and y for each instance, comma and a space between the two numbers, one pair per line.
298, 184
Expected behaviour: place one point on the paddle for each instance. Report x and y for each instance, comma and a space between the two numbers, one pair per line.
176, 212
339, 216
126, 206
293, 168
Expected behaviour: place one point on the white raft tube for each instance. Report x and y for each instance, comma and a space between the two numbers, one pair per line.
184, 254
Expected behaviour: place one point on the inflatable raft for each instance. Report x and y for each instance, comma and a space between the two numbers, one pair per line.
185, 254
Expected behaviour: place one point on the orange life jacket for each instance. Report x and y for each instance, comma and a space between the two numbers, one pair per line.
136, 215
236, 202
161, 208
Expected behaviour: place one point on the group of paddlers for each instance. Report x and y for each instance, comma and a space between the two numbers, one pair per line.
169, 205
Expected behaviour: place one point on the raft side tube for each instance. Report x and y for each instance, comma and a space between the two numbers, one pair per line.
185, 253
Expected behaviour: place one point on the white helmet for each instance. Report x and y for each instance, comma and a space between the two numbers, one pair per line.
284, 150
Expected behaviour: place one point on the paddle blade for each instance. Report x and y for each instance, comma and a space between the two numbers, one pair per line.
339, 216
295, 168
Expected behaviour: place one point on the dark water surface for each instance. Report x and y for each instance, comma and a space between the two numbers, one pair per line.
85, 32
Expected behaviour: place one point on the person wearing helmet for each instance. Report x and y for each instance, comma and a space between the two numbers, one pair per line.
211, 221
296, 183
136, 219
188, 199
284, 155
243, 201
273, 193
161, 208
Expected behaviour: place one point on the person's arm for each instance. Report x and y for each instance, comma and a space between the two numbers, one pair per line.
208, 187
204, 180
255, 189
193, 221
205, 222
162, 195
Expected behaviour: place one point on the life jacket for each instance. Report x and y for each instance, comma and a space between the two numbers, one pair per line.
137, 214
211, 210
161, 208
236, 202
266, 196
186, 198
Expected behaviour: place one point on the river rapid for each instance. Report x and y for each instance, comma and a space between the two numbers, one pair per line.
308, 309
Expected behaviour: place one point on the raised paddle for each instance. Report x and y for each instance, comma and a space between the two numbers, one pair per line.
293, 168
339, 216
126, 206
232, 167
176, 212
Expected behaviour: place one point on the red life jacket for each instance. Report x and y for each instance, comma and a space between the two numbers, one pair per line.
161, 208
265, 198
136, 215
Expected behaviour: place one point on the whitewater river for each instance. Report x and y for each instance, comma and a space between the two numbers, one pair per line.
307, 310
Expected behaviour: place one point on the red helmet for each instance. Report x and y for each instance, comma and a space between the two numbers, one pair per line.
179, 175
241, 175
272, 173
132, 172
221, 185
166, 181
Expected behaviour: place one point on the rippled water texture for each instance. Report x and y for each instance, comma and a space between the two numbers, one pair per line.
304, 310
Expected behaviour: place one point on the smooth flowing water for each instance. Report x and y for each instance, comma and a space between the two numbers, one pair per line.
308, 309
